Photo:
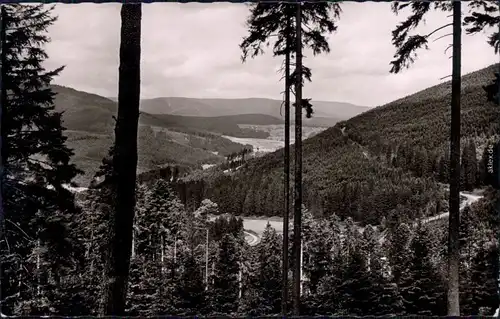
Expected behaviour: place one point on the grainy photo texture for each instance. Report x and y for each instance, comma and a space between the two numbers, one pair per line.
250, 159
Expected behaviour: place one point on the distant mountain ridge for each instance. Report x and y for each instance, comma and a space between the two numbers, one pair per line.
90, 112
327, 112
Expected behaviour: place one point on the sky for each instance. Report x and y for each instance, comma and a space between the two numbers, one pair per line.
192, 50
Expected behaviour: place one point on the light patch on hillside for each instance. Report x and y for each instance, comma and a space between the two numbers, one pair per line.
259, 225
277, 132
258, 144
275, 139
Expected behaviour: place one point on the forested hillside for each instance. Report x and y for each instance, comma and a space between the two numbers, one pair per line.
382, 163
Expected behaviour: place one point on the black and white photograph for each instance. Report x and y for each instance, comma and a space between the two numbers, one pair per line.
251, 159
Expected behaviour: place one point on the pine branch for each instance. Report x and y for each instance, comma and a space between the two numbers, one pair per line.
406, 53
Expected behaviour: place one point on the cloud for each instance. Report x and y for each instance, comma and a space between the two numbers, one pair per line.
193, 50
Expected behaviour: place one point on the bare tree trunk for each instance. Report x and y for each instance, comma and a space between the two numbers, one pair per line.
297, 219
301, 260
38, 266
3, 156
124, 162
132, 254
162, 258
286, 171
454, 200
206, 261
240, 283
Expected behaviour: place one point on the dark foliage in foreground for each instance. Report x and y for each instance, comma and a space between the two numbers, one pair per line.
347, 271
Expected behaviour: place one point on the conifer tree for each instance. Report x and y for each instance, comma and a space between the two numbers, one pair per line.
270, 272
328, 296
492, 89
385, 298
398, 252
38, 210
94, 229
251, 297
482, 178
444, 167
225, 287
356, 287
468, 238
277, 19
319, 241
422, 289
191, 288
483, 283
469, 166
406, 46
143, 295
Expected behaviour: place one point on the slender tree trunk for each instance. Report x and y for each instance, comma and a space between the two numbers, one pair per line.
38, 262
206, 261
124, 161
454, 219
3, 156
286, 188
297, 219
162, 254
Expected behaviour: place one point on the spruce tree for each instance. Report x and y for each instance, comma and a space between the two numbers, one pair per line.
162, 252
469, 167
277, 19
191, 288
385, 298
467, 241
319, 241
473, 167
484, 278
270, 272
94, 230
328, 296
422, 289
356, 288
398, 251
251, 301
483, 14
225, 287
483, 176
492, 89
38, 210
444, 167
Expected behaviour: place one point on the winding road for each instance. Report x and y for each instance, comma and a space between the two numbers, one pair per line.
470, 199
251, 238
254, 227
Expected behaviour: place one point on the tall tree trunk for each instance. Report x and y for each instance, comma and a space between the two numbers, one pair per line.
124, 161
286, 171
454, 219
297, 219
3, 156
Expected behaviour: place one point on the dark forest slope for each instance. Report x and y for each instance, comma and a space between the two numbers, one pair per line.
378, 165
